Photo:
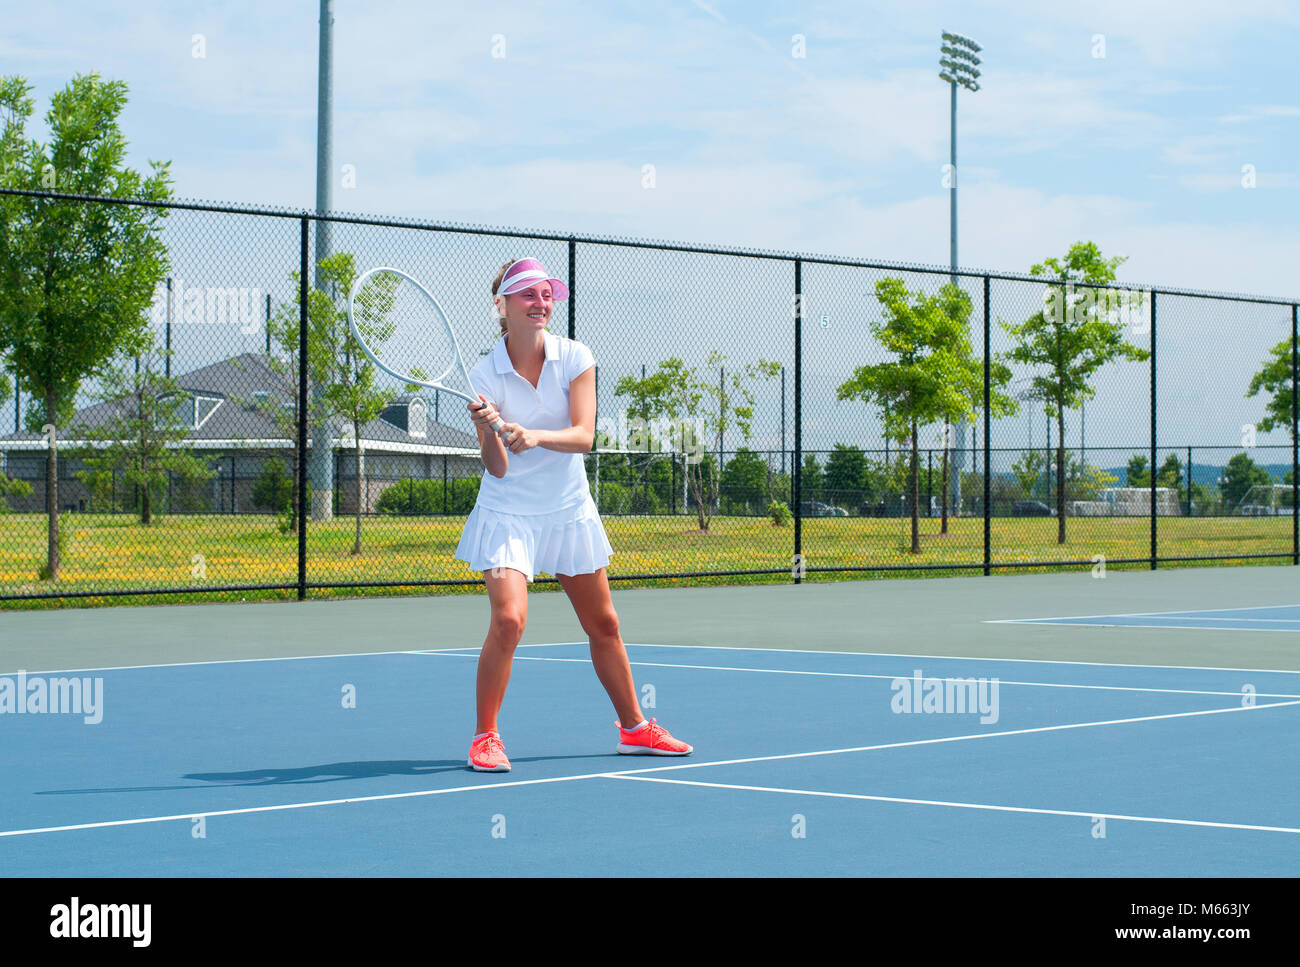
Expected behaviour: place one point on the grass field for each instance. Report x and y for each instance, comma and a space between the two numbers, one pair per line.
108, 552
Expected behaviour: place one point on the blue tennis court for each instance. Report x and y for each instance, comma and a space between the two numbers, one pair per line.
807, 762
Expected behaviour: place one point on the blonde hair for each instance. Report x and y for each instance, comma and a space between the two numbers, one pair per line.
496, 284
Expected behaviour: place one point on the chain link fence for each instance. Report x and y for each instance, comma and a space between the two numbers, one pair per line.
758, 418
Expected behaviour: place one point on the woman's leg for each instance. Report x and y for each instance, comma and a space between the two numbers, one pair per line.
508, 592
589, 595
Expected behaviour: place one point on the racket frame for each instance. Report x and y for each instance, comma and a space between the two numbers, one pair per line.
497, 427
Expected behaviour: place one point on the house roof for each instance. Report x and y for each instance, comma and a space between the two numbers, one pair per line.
230, 400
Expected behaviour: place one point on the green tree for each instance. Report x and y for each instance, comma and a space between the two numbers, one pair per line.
1027, 471
1274, 378
273, 488
1137, 473
75, 279
812, 480
143, 435
12, 487
1072, 337
1239, 476
702, 409
350, 390
932, 376
744, 481
846, 472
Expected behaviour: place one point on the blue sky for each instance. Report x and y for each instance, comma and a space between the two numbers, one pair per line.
837, 152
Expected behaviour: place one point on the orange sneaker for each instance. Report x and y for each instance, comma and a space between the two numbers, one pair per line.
652, 739
487, 754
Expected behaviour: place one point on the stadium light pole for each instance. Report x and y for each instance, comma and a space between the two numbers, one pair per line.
321, 462
957, 66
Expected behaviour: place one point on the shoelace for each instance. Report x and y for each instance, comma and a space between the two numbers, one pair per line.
492, 744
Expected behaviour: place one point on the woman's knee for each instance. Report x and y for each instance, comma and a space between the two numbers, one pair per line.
508, 624
602, 624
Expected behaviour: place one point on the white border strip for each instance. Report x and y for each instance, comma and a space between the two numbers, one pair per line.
234, 661
891, 678
1032, 661
965, 805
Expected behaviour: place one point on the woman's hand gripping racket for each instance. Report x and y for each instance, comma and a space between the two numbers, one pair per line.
404, 331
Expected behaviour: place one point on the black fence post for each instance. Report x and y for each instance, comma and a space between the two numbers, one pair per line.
798, 420
1153, 429
987, 475
573, 256
1295, 437
303, 267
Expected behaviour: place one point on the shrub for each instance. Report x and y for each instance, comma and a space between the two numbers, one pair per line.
780, 513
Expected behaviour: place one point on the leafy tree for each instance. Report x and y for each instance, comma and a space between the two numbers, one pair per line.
1239, 476
351, 391
12, 487
273, 488
933, 376
1027, 471
143, 435
744, 480
76, 280
692, 401
812, 480
1138, 474
846, 471
1275, 378
1072, 337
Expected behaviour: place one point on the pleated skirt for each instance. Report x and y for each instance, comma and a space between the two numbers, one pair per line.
568, 541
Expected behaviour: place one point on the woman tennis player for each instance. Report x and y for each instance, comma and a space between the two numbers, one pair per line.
534, 510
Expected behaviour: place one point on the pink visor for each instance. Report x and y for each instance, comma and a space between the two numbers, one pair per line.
527, 273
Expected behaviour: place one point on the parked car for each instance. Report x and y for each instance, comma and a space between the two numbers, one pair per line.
1032, 508
815, 508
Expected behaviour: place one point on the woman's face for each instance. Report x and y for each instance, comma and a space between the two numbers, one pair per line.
529, 310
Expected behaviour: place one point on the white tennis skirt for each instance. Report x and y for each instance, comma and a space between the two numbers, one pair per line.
568, 541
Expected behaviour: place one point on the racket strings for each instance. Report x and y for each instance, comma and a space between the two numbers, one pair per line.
405, 332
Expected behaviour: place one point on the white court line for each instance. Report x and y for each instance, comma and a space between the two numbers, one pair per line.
965, 805
891, 678
1062, 623
1032, 661
236, 661
1148, 614
625, 772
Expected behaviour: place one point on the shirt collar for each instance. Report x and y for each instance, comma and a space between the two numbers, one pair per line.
501, 358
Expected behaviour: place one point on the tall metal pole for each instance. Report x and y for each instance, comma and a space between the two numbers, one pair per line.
952, 206
322, 466
954, 485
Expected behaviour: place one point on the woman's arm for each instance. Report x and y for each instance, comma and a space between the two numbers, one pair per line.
582, 413
495, 458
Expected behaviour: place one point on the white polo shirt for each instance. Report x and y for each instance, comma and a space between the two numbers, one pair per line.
537, 481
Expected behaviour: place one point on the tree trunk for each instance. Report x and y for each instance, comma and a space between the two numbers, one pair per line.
52, 489
943, 527
356, 433
916, 494
146, 517
1060, 475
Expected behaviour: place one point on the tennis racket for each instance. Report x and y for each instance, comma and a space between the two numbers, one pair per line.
402, 329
